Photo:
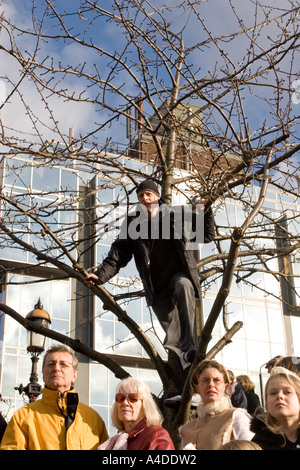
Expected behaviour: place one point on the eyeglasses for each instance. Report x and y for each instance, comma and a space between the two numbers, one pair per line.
61, 364
131, 397
216, 382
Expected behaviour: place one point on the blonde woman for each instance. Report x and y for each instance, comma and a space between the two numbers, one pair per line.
278, 428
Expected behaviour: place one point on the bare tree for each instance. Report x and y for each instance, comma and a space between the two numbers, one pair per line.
210, 105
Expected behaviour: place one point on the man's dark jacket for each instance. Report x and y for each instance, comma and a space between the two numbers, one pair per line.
124, 248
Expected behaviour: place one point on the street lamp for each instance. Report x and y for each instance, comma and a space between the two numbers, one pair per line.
35, 346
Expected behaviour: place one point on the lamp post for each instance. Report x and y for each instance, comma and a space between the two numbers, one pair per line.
261, 384
35, 346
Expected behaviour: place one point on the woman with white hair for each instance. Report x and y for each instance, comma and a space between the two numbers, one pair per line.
138, 420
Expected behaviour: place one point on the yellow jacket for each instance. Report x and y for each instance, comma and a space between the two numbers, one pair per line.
55, 422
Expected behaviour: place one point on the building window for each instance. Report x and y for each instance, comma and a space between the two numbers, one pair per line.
22, 293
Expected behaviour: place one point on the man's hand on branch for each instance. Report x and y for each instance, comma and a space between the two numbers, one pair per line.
92, 280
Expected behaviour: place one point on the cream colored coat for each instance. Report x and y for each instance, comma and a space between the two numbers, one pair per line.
216, 424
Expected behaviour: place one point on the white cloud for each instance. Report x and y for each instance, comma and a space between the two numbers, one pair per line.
29, 111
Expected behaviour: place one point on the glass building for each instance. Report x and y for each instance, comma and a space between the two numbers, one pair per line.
268, 328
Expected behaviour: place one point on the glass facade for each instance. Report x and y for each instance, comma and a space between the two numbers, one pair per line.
263, 334
22, 293
46, 190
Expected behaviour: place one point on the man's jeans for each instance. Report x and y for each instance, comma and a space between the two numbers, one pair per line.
175, 310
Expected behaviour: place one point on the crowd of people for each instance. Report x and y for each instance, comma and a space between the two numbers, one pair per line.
59, 421
229, 414
222, 425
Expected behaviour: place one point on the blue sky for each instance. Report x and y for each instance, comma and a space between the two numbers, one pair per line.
206, 59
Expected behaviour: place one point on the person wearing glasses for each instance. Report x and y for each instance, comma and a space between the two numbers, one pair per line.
217, 420
3, 425
57, 421
137, 419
